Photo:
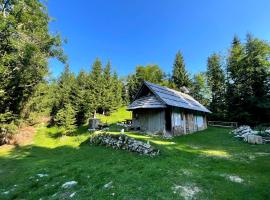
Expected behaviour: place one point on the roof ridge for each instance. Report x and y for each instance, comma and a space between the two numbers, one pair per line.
175, 98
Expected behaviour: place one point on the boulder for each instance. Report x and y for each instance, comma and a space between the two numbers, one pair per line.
69, 184
254, 139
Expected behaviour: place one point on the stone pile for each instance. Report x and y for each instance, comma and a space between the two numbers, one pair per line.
122, 141
248, 135
123, 125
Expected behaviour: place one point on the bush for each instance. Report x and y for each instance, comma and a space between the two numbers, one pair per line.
6, 132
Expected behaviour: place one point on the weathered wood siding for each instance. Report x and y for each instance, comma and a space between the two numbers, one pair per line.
185, 121
178, 122
149, 120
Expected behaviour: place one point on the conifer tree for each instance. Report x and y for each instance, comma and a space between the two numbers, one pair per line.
257, 71
248, 69
96, 86
107, 97
117, 91
65, 99
65, 118
235, 82
180, 76
216, 81
200, 90
83, 107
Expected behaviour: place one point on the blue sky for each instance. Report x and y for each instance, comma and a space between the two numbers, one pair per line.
140, 32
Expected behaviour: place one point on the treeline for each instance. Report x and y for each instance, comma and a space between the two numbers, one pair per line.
27, 92
78, 98
179, 79
25, 47
235, 87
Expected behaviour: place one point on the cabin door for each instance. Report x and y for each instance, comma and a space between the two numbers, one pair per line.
168, 120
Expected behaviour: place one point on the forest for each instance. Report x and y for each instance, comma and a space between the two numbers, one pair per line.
235, 85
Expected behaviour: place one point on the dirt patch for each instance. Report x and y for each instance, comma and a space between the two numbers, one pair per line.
24, 136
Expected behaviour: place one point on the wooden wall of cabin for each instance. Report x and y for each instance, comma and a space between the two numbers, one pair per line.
186, 121
149, 120
178, 121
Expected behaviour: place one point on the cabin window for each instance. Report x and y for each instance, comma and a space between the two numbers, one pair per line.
199, 120
177, 119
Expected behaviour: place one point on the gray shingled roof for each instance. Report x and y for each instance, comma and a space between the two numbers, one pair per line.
150, 101
167, 96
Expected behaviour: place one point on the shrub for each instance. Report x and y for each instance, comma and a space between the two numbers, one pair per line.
65, 118
6, 132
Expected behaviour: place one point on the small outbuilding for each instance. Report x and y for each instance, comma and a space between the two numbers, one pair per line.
161, 110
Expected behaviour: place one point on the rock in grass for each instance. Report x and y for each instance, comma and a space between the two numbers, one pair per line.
108, 185
42, 175
254, 139
6, 192
122, 141
69, 184
72, 195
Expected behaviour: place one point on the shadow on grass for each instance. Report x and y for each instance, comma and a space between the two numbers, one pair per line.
57, 132
85, 142
195, 152
56, 135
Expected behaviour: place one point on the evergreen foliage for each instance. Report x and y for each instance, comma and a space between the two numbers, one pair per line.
82, 103
248, 70
151, 73
216, 82
84, 95
180, 77
96, 83
200, 89
65, 118
25, 47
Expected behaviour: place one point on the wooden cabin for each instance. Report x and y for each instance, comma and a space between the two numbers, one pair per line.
161, 110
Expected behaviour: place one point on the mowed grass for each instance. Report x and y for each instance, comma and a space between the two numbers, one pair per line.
118, 116
196, 166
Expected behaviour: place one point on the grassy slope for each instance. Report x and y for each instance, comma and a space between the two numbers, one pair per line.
118, 116
200, 160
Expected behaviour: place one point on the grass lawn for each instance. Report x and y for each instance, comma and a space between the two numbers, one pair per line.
210, 164
118, 116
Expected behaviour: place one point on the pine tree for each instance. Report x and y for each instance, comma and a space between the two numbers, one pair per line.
180, 76
248, 70
117, 91
235, 98
257, 62
83, 107
65, 118
65, 97
200, 90
107, 97
216, 82
96, 86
